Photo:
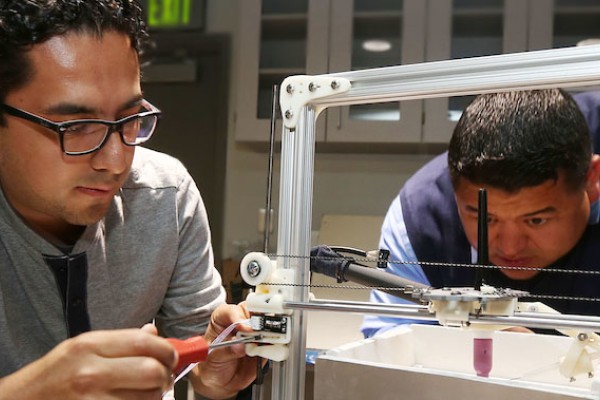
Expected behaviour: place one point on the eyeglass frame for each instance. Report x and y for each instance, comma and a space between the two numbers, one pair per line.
60, 127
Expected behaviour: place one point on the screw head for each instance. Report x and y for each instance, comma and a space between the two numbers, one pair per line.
289, 88
335, 84
288, 114
253, 269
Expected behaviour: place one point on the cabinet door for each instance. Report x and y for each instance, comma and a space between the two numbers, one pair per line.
468, 28
563, 23
277, 39
368, 34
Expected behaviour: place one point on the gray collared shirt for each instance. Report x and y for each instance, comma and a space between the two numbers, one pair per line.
149, 259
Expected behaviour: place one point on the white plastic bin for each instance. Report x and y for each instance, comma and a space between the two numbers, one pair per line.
433, 362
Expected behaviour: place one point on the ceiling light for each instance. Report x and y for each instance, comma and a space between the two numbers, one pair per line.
376, 45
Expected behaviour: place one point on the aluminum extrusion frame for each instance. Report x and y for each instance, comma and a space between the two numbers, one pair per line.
570, 67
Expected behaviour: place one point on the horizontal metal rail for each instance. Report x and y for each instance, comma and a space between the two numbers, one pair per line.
568, 67
422, 313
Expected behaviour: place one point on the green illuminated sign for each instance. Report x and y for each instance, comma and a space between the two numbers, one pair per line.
169, 13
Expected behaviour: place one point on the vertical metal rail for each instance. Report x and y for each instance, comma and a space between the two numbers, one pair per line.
294, 228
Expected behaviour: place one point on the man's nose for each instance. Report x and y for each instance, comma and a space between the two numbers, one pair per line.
112, 157
509, 239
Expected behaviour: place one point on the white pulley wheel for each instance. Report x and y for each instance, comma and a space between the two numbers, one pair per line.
256, 268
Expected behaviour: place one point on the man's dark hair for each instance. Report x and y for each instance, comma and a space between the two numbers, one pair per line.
520, 139
24, 23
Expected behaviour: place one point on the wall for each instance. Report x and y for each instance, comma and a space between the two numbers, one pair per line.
358, 184
192, 126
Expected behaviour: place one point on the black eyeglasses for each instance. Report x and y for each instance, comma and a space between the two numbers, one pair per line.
84, 136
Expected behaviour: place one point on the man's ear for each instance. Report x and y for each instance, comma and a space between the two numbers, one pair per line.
592, 185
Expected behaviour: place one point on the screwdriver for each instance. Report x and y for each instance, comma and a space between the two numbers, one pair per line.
196, 349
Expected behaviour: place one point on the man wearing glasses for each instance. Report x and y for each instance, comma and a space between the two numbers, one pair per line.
98, 237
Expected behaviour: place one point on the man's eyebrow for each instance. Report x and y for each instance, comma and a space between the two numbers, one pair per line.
472, 209
72, 108
68, 109
545, 210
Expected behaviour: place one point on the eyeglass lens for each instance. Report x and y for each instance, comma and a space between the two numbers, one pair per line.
86, 136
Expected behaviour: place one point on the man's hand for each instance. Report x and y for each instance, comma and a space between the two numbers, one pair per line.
227, 370
119, 364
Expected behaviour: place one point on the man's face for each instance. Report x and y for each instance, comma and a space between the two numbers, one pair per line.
533, 227
75, 76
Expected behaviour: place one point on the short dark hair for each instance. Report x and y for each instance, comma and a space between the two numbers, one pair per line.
24, 23
520, 139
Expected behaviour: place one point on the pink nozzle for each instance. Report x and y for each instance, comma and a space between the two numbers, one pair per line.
482, 356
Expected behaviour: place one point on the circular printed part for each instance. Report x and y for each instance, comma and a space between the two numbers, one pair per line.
256, 268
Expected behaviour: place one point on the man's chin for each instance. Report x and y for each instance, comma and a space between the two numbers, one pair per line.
88, 216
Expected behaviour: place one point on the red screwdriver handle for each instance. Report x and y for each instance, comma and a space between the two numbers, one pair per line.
192, 350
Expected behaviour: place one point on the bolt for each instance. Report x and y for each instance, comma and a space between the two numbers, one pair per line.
335, 85
289, 114
289, 89
312, 86
253, 269
582, 337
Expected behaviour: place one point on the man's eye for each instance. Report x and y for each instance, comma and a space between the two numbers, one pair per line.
491, 220
84, 129
537, 221
75, 128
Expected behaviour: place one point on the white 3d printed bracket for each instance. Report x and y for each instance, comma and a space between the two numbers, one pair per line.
299, 90
265, 304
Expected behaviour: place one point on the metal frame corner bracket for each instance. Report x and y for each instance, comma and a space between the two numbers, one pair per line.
299, 90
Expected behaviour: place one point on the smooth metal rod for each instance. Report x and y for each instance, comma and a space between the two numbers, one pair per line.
563, 317
268, 206
397, 310
531, 320
364, 303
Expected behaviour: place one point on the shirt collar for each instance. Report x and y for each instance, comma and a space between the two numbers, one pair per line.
594, 213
